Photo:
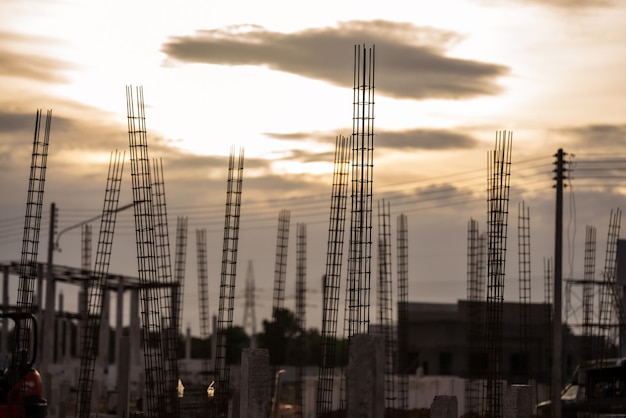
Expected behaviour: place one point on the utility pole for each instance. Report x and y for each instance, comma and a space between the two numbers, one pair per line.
558, 285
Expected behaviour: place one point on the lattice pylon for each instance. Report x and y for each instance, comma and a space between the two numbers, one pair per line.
249, 313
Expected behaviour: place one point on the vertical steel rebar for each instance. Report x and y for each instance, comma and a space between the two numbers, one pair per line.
30, 238
156, 404
203, 297
228, 277
523, 247
385, 301
588, 293
167, 290
97, 286
331, 281
280, 268
357, 314
301, 348
609, 310
499, 169
475, 331
403, 311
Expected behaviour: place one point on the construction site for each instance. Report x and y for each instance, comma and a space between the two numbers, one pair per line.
393, 361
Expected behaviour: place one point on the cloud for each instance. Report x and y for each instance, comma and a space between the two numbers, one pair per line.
595, 136
28, 65
410, 60
425, 139
570, 4
410, 139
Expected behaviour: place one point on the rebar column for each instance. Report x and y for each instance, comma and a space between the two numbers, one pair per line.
523, 249
475, 329
280, 267
227, 283
203, 297
156, 399
357, 315
331, 281
588, 293
180, 260
30, 238
499, 169
385, 300
167, 292
548, 275
96, 289
301, 348
609, 310
403, 311
83, 296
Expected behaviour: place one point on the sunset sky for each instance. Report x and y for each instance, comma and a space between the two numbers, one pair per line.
275, 77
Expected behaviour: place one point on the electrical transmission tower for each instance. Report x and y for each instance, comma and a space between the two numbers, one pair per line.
332, 277
499, 171
97, 286
249, 314
227, 282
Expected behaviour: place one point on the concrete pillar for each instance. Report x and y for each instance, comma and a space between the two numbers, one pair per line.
123, 377
518, 402
366, 377
444, 406
118, 318
254, 383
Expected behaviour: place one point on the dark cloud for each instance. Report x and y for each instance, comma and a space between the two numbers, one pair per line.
596, 136
570, 4
30, 66
410, 60
424, 139
410, 139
